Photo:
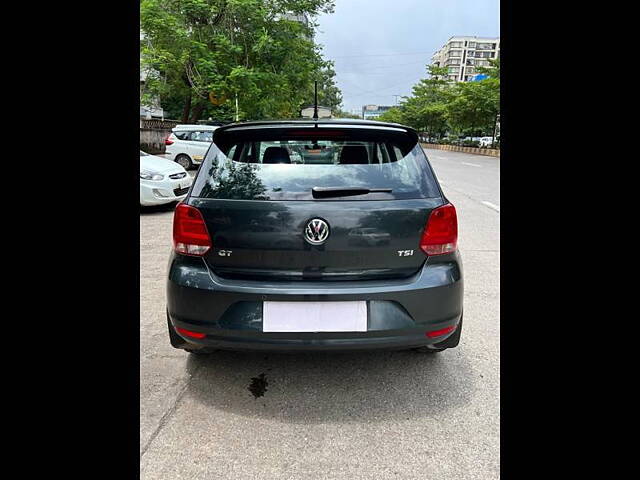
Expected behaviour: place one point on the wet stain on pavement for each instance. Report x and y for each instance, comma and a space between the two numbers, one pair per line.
258, 385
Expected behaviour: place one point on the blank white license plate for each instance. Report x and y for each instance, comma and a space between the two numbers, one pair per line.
314, 316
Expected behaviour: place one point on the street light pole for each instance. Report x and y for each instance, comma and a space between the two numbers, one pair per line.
315, 100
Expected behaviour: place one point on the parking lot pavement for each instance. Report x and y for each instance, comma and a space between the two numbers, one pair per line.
365, 415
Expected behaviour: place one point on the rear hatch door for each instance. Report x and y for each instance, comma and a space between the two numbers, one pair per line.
355, 212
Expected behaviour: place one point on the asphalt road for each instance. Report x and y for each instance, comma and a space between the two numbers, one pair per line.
352, 416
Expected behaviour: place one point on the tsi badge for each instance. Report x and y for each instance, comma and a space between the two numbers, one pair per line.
316, 232
405, 253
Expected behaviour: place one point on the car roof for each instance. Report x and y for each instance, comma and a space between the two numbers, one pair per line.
195, 127
320, 122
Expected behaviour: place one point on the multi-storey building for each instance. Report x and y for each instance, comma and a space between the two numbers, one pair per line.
369, 112
461, 55
300, 18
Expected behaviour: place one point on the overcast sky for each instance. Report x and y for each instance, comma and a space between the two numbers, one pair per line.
381, 47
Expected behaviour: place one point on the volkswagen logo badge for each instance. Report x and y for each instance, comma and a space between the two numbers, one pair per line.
316, 232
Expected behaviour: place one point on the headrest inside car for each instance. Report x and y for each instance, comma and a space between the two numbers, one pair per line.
276, 155
354, 154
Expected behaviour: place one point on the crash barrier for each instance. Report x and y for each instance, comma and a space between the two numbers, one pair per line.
492, 152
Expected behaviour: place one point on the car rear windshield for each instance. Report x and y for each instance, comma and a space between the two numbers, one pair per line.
315, 164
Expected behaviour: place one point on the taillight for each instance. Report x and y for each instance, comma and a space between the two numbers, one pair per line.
190, 234
189, 333
168, 140
440, 235
441, 332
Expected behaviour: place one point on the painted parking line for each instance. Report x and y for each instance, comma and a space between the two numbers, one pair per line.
471, 164
492, 206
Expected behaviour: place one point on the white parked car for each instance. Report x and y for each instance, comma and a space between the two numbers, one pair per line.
188, 144
162, 181
486, 141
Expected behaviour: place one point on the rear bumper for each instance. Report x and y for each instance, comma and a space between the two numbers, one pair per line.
246, 343
229, 312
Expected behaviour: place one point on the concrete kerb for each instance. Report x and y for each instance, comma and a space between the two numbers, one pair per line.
492, 152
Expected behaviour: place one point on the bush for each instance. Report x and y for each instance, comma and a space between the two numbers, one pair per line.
470, 143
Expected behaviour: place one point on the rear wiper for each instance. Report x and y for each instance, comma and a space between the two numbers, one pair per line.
327, 192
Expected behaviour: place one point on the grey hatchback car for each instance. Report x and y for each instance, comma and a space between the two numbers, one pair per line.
352, 246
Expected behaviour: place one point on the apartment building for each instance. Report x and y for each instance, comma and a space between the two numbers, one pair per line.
462, 55
371, 112
300, 18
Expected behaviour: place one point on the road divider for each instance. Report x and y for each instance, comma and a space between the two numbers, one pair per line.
491, 152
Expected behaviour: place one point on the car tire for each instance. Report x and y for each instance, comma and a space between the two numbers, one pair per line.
450, 342
184, 161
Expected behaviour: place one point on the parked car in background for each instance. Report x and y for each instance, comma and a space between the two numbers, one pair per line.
162, 181
188, 144
486, 141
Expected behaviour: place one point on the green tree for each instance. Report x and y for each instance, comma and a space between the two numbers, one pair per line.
329, 95
247, 48
493, 70
339, 113
425, 110
474, 106
393, 115
437, 106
